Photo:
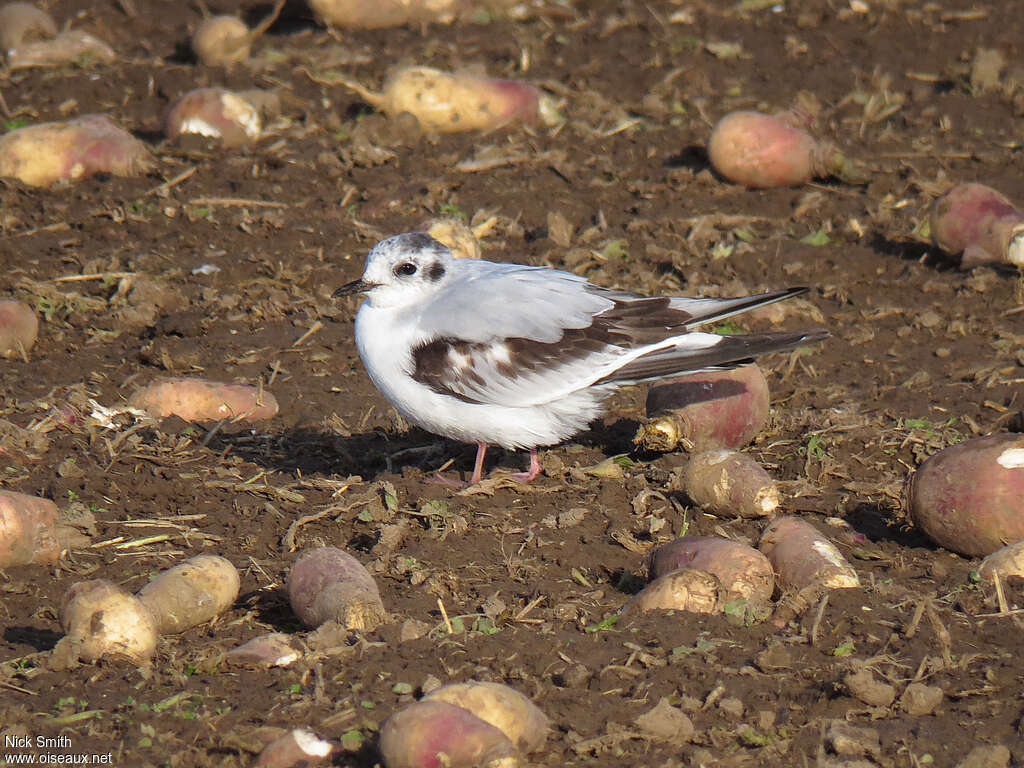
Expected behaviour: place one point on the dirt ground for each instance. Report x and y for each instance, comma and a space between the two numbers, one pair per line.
226, 271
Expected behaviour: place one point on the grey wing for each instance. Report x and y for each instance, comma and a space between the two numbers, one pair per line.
486, 301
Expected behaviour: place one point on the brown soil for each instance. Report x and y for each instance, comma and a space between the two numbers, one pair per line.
922, 355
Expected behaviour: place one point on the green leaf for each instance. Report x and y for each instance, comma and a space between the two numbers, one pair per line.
844, 649
816, 238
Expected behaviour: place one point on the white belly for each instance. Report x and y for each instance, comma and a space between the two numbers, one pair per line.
384, 348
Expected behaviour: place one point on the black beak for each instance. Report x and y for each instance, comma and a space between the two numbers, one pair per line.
356, 286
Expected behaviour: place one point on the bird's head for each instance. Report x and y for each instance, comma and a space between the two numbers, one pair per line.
402, 270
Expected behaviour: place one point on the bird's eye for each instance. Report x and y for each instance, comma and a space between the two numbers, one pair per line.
405, 269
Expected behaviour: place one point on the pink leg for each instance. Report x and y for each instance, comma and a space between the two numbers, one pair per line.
478, 470
534, 470
478, 467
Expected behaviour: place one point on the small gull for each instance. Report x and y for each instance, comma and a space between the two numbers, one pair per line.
520, 356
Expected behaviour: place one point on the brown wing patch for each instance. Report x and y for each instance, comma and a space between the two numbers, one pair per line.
452, 367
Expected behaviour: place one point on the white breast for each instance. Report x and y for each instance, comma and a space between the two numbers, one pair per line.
385, 340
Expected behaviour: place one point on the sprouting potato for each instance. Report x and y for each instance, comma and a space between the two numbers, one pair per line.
223, 41
448, 102
706, 410
762, 151
980, 223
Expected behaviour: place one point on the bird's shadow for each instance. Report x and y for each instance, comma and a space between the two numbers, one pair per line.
311, 451
314, 452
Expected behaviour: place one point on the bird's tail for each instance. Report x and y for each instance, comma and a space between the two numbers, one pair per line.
694, 352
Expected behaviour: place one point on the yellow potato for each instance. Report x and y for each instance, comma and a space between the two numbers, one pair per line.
40, 155
191, 593
448, 102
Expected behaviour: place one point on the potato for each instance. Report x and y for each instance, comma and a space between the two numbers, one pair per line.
271, 650
328, 584
803, 557
980, 223
40, 155
223, 41
432, 734
706, 410
101, 620
762, 151
214, 112
298, 748
195, 399
19, 328
24, 23
743, 572
454, 235
28, 530
503, 707
379, 14
685, 589
448, 102
969, 498
730, 483
1005, 562
191, 593
70, 47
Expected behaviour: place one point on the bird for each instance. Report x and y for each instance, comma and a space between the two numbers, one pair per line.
523, 356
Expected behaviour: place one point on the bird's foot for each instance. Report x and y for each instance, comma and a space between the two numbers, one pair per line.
530, 474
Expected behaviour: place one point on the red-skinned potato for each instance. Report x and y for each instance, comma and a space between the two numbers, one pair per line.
102, 620
684, 589
980, 223
707, 410
191, 593
380, 14
447, 102
196, 399
28, 530
730, 483
742, 571
24, 23
803, 557
328, 584
503, 707
40, 155
72, 46
436, 734
19, 328
969, 498
214, 112
762, 151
